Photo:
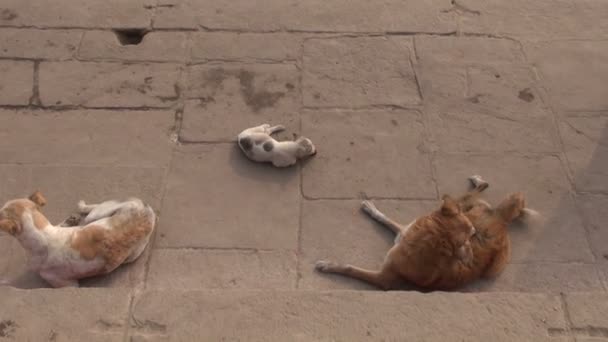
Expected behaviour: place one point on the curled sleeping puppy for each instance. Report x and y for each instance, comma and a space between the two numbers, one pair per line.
258, 145
110, 234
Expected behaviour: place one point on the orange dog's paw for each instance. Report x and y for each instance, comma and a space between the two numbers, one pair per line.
325, 266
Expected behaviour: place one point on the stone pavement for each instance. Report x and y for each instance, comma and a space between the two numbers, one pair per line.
404, 99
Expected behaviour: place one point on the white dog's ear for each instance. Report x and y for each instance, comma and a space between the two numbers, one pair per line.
38, 198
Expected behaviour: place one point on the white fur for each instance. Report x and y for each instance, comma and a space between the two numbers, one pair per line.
283, 153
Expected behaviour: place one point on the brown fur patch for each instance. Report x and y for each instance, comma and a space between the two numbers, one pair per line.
38, 198
113, 245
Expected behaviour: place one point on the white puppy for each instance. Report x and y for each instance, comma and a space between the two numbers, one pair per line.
112, 233
258, 145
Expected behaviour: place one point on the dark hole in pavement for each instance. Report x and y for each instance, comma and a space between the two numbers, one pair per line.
130, 36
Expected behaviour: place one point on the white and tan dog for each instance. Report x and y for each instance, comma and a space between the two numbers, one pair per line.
111, 234
258, 145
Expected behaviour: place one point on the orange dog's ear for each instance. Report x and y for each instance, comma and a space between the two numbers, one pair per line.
449, 207
37, 198
8, 226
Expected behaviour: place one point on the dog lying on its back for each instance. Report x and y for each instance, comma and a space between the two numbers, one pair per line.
464, 240
111, 234
258, 145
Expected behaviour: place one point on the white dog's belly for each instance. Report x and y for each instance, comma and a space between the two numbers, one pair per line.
69, 265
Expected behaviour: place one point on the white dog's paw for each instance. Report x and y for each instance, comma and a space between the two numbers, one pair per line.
325, 265
477, 181
368, 207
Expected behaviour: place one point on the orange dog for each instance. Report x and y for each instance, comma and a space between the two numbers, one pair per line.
462, 241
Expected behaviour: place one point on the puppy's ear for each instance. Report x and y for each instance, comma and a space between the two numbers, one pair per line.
9, 226
449, 207
37, 198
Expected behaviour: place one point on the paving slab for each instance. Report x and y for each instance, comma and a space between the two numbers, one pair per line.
191, 269
480, 96
216, 197
237, 46
542, 278
313, 16
588, 313
341, 232
345, 315
468, 50
349, 162
358, 71
573, 72
154, 46
99, 137
585, 140
229, 98
68, 14
16, 82
38, 44
535, 20
560, 235
63, 315
107, 84
593, 210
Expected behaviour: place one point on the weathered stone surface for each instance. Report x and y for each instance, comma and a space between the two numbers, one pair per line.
86, 137
354, 72
16, 82
478, 96
223, 46
595, 216
108, 84
222, 269
586, 146
63, 315
544, 278
534, 20
339, 231
468, 50
155, 46
559, 236
231, 98
216, 197
65, 13
574, 72
588, 311
315, 15
379, 153
352, 316
39, 44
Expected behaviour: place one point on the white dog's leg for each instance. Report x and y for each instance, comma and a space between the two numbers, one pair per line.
57, 282
102, 210
274, 129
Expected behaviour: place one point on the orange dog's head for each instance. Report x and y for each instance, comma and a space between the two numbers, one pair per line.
458, 229
12, 213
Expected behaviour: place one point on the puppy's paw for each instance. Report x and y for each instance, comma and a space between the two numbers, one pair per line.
368, 207
478, 182
325, 266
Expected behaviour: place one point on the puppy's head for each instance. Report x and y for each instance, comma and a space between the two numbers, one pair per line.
457, 228
12, 212
307, 148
